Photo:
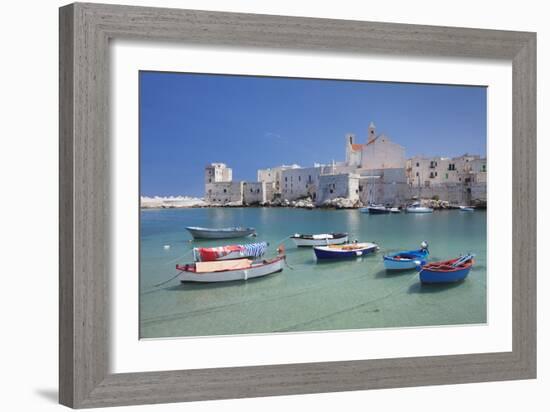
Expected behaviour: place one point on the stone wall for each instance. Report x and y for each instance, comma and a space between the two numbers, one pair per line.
338, 186
300, 183
454, 193
224, 193
254, 193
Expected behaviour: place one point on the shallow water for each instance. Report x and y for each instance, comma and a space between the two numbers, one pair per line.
309, 296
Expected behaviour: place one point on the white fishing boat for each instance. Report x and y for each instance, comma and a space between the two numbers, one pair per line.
321, 239
416, 208
352, 250
466, 209
229, 270
220, 233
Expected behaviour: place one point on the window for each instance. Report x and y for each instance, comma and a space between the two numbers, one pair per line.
446, 175
225, 190
209, 180
436, 173
417, 164
417, 174
299, 178
286, 178
331, 191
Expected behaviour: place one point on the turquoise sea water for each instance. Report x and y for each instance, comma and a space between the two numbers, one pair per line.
311, 296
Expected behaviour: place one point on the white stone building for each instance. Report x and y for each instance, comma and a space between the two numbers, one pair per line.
383, 186
274, 175
430, 171
217, 172
258, 193
302, 182
460, 180
345, 185
375, 171
224, 193
378, 152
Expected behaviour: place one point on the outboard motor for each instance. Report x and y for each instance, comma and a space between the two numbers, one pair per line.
424, 245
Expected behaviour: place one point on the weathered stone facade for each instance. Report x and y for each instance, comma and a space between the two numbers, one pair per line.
224, 193
334, 186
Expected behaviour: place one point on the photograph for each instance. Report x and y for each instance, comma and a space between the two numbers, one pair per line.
274, 205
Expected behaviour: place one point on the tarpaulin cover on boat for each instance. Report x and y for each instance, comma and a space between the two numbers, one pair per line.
215, 253
203, 267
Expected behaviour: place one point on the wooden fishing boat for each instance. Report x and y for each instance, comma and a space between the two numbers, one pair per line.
409, 259
322, 239
449, 271
250, 250
220, 233
351, 250
229, 270
416, 208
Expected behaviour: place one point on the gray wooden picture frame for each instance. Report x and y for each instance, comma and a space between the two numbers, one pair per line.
85, 31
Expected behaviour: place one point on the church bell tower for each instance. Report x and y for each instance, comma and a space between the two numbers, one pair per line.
372, 132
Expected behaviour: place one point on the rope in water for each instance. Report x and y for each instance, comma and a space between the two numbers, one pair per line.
166, 281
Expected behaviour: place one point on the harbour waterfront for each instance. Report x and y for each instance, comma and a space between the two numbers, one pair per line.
309, 296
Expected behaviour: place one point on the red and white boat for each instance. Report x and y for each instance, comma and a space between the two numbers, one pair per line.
229, 270
250, 250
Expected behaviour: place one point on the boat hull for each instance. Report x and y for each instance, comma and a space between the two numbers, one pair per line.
419, 210
429, 276
255, 271
325, 252
408, 260
301, 242
205, 233
378, 211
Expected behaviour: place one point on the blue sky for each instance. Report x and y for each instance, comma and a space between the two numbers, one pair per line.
190, 120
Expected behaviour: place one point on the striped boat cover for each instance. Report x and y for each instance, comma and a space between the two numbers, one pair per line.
214, 253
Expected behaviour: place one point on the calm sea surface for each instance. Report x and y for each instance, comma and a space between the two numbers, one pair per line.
311, 296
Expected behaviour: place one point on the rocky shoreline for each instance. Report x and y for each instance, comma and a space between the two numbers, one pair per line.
183, 202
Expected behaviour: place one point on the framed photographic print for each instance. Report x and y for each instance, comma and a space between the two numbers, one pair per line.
258, 205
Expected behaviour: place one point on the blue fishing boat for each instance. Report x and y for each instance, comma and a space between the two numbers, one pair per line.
409, 259
449, 271
351, 250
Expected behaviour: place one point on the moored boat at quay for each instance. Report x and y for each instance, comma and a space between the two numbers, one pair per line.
417, 208
409, 259
450, 271
220, 233
228, 252
229, 270
375, 210
351, 250
322, 239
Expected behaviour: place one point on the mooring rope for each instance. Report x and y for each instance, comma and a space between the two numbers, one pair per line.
179, 257
166, 281
282, 241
